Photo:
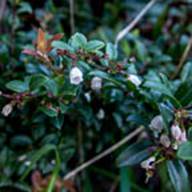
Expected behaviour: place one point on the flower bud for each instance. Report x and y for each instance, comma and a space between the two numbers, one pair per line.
183, 137
156, 124
96, 83
101, 114
134, 79
176, 132
76, 76
88, 96
7, 109
148, 163
165, 141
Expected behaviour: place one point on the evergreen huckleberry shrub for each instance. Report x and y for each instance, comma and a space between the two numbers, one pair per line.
59, 92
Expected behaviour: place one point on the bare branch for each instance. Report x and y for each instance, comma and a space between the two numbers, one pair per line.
127, 29
104, 153
183, 58
72, 19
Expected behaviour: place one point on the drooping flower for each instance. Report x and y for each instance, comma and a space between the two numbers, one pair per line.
96, 83
76, 76
176, 132
156, 124
165, 141
134, 79
7, 109
183, 137
148, 163
101, 114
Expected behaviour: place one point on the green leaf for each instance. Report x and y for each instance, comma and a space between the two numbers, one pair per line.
125, 183
55, 173
17, 86
51, 87
167, 114
21, 140
94, 45
178, 176
78, 40
38, 81
51, 111
111, 51
186, 73
184, 93
62, 45
185, 151
134, 154
38, 155
25, 8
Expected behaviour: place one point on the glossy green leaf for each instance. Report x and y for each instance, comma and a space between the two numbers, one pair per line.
94, 45
178, 176
185, 151
17, 86
134, 154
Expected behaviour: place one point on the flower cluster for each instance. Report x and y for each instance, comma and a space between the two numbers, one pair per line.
167, 142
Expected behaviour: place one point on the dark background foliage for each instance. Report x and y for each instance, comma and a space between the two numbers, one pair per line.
154, 47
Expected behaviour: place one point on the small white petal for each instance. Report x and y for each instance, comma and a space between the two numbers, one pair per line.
148, 163
22, 158
88, 97
134, 79
7, 109
96, 83
27, 163
76, 76
101, 114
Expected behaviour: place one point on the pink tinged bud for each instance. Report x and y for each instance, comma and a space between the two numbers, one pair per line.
148, 163
156, 124
183, 137
176, 132
7, 109
165, 141
96, 83
134, 79
76, 76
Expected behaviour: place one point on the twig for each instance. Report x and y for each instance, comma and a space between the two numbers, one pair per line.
183, 58
104, 153
2, 8
72, 19
127, 29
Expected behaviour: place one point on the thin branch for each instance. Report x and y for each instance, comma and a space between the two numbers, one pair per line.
72, 19
183, 58
127, 29
104, 153
2, 8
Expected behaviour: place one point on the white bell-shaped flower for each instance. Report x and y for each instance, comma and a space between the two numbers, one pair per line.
96, 83
76, 76
165, 141
176, 132
156, 124
7, 109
